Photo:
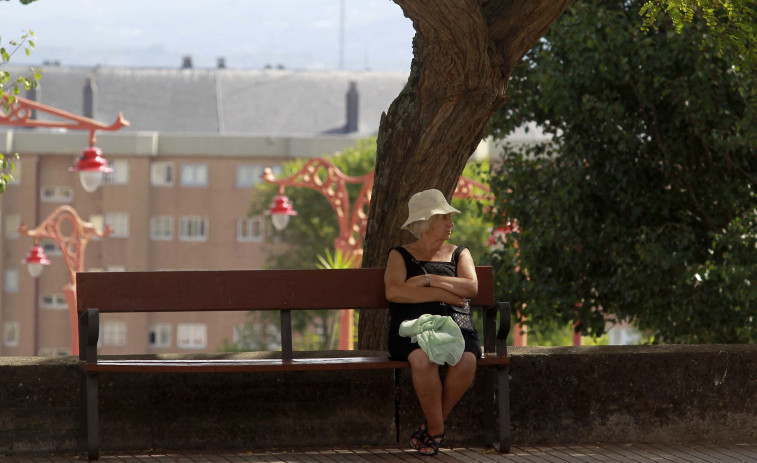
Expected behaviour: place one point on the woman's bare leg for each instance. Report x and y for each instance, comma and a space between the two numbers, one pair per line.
457, 381
428, 388
436, 398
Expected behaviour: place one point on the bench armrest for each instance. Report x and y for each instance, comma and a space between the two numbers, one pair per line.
504, 327
495, 337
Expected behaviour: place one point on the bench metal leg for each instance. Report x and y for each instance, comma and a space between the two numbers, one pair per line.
503, 395
91, 421
489, 405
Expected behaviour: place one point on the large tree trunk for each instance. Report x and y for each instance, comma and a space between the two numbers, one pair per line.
463, 54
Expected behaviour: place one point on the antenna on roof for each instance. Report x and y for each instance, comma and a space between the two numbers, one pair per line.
341, 35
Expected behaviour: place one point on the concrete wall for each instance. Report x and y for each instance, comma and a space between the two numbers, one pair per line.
558, 395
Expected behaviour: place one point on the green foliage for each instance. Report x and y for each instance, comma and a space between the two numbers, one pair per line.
6, 171
315, 226
331, 319
10, 88
310, 232
336, 260
560, 336
473, 225
310, 235
733, 23
643, 207
259, 333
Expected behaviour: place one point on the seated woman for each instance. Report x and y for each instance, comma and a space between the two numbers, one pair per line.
419, 277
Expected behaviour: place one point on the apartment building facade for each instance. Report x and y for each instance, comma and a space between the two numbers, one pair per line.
178, 208
178, 199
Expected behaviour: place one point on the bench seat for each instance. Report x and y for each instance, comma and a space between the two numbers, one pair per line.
283, 291
259, 365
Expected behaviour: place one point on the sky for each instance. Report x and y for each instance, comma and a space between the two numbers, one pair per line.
295, 34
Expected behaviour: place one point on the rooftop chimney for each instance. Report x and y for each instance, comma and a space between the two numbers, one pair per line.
90, 96
34, 95
352, 108
186, 62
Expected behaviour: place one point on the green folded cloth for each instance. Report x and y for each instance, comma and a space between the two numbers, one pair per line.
438, 336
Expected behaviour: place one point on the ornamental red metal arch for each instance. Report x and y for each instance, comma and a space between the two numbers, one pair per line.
18, 111
321, 175
71, 234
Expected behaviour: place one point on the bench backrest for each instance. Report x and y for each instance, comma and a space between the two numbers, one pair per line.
193, 290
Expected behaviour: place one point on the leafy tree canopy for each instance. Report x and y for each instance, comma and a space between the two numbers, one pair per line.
312, 231
643, 207
9, 88
310, 235
308, 240
733, 22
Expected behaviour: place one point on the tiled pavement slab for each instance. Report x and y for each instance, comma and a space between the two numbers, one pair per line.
705, 452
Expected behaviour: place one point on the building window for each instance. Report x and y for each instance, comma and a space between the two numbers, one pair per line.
51, 248
119, 222
191, 336
161, 228
11, 281
161, 173
98, 222
250, 228
12, 222
57, 194
194, 174
120, 174
53, 301
193, 228
160, 335
11, 334
114, 333
248, 175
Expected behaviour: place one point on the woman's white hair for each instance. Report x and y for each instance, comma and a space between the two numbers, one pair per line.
419, 227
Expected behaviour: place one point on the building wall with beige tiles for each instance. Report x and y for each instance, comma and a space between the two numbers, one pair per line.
33, 313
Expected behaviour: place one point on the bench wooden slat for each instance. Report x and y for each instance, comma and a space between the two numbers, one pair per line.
259, 365
217, 290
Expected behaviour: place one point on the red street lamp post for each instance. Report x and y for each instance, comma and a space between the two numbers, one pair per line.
321, 175
324, 177
91, 165
71, 234
334, 188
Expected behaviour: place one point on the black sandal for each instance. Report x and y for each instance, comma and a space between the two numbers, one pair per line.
420, 436
432, 443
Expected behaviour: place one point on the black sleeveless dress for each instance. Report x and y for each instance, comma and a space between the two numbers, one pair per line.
400, 346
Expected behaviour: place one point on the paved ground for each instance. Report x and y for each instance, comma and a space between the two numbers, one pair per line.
604, 453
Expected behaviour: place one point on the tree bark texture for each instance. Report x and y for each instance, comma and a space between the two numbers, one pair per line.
463, 54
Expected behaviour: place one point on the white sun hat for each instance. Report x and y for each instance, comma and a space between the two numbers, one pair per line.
424, 205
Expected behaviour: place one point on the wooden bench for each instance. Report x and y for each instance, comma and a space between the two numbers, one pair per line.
254, 290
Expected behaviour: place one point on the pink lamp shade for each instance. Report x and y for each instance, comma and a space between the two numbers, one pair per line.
36, 260
280, 211
91, 167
